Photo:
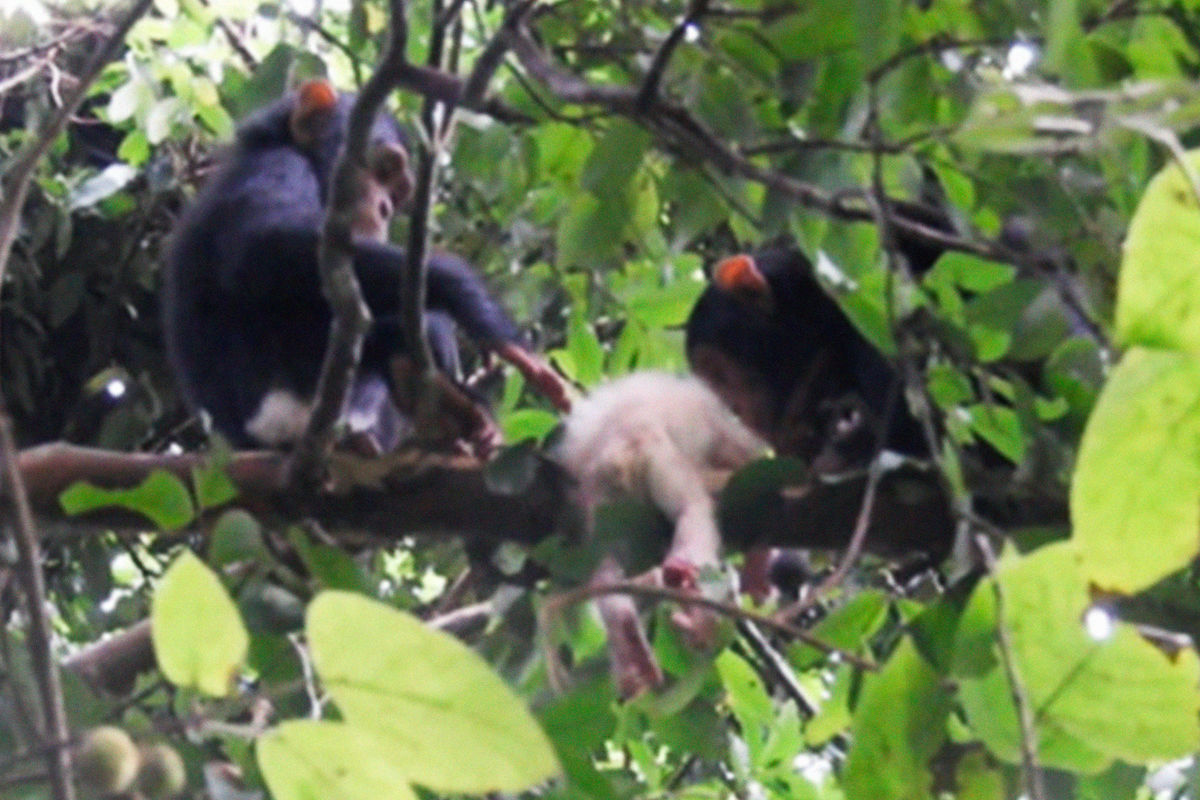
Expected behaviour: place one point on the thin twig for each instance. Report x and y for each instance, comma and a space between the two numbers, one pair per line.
849, 556
639, 587
29, 72
55, 730
778, 666
679, 128
1030, 769
351, 316
658, 65
238, 43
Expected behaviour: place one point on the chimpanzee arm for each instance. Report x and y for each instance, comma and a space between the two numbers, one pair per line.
282, 263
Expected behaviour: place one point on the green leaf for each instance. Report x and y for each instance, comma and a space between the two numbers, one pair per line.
1075, 372
1135, 496
306, 759
528, 423
848, 627
898, 725
978, 779
819, 29
579, 723
1094, 700
877, 23
237, 536
833, 716
162, 498
591, 229
585, 350
562, 149
746, 695
331, 566
199, 639
948, 386
665, 306
616, 158
1000, 427
1158, 292
449, 721
214, 488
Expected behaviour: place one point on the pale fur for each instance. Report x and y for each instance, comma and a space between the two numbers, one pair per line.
280, 419
654, 435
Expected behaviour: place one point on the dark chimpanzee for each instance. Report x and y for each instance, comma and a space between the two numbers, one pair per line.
782, 354
784, 357
246, 321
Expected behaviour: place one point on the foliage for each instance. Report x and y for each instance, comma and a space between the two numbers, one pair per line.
1052, 349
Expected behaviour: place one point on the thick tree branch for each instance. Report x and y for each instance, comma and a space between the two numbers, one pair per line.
113, 664
378, 499
418, 493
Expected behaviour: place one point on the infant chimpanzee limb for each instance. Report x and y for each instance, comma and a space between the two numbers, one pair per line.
659, 438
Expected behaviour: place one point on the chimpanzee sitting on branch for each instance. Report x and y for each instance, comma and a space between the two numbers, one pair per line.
246, 321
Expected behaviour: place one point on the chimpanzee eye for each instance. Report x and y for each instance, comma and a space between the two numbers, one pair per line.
388, 162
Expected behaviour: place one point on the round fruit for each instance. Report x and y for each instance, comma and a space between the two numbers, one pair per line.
107, 760
161, 774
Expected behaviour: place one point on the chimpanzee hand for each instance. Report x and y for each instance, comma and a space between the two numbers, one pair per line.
539, 373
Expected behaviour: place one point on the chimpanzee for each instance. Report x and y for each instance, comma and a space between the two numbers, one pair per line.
246, 321
782, 354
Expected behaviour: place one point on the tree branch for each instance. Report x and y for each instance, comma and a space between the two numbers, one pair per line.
684, 132
658, 66
351, 316
375, 499
15, 182
54, 731
1030, 770
407, 493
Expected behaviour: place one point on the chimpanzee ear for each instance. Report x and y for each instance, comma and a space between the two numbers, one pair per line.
315, 103
739, 275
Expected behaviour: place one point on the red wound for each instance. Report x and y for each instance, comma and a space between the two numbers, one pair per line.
316, 96
741, 275
680, 574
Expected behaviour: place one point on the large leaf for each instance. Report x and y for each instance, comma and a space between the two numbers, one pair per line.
449, 721
1093, 700
898, 725
304, 759
199, 639
1158, 295
1135, 497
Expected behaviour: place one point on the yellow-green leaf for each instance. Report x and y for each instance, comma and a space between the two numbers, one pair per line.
1094, 700
448, 720
1158, 293
1135, 496
162, 498
305, 759
199, 639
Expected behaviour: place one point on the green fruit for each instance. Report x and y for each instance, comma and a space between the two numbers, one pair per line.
107, 760
161, 774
